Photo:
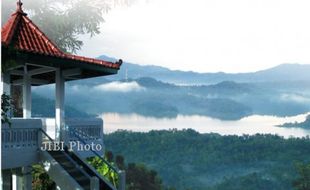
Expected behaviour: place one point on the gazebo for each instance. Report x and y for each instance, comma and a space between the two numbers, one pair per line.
29, 58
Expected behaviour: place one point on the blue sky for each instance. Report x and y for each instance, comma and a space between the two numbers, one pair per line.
206, 35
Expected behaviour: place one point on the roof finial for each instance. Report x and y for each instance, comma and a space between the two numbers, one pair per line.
19, 6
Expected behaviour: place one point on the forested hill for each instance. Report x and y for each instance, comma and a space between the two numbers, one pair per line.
45, 107
226, 100
187, 159
305, 124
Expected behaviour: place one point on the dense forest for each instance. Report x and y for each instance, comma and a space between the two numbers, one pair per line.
189, 160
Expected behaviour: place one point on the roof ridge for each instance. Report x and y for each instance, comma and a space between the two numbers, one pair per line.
8, 30
29, 38
42, 35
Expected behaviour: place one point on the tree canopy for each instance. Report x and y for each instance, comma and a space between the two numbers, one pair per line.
187, 159
64, 21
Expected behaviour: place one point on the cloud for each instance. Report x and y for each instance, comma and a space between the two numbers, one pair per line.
119, 87
206, 35
295, 98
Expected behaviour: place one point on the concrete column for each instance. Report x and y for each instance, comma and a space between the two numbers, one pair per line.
27, 177
121, 180
5, 83
60, 106
17, 180
26, 95
6, 179
94, 183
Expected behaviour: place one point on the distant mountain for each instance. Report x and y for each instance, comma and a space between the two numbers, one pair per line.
284, 72
227, 100
48, 110
305, 124
160, 92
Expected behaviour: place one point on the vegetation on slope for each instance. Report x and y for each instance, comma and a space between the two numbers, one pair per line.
187, 159
305, 124
138, 176
44, 107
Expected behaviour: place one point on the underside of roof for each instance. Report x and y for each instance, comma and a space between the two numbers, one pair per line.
24, 43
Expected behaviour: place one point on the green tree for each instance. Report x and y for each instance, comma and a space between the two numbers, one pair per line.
6, 109
41, 180
138, 176
303, 181
188, 159
64, 21
103, 168
120, 162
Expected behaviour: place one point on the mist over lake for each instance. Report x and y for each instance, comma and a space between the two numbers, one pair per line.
249, 125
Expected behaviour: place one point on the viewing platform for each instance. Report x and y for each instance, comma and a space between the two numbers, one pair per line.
29, 141
60, 145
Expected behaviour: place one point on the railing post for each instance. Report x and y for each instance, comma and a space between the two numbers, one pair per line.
122, 180
40, 139
66, 134
94, 183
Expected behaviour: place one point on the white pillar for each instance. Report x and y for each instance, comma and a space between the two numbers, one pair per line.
5, 84
17, 180
59, 105
26, 95
27, 177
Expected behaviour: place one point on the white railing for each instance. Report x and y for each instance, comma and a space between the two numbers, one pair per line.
90, 131
89, 128
19, 138
20, 142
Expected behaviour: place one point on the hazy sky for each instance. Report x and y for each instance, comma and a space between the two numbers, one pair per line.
206, 35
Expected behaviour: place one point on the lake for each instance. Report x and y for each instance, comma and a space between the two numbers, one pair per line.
248, 125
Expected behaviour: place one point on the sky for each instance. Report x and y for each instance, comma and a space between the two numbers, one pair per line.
206, 35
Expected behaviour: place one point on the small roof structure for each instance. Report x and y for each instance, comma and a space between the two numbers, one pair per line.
30, 58
24, 43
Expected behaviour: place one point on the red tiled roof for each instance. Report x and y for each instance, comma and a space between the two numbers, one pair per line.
24, 35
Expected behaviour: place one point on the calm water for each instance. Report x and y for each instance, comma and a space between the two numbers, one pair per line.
249, 125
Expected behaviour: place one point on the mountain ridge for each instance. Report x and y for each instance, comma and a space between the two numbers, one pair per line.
222, 96
283, 72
